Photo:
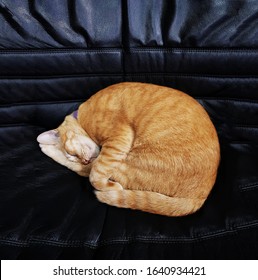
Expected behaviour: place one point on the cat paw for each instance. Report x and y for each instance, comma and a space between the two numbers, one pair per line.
112, 185
104, 184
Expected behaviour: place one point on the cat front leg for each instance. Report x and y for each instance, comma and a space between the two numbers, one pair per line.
114, 151
102, 183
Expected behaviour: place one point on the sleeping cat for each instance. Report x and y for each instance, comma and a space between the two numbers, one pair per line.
143, 146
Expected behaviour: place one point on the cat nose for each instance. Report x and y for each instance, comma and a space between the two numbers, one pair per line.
85, 161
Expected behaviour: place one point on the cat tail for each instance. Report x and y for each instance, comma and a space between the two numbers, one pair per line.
150, 202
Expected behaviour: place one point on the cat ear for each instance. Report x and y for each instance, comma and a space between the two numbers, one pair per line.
49, 137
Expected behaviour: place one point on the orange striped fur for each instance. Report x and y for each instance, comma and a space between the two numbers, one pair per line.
159, 149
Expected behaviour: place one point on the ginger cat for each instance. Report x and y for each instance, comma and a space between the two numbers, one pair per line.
159, 149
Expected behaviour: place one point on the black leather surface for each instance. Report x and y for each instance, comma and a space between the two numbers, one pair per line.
56, 54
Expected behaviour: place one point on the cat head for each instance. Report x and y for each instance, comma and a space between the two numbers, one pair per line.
69, 144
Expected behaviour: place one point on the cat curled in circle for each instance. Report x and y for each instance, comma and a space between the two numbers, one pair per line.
143, 146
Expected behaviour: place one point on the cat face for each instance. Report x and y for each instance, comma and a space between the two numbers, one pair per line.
69, 145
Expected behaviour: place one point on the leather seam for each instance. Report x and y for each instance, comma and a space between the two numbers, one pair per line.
60, 50
144, 239
31, 103
126, 75
249, 187
119, 49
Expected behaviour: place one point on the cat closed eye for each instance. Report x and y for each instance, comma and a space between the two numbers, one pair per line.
71, 156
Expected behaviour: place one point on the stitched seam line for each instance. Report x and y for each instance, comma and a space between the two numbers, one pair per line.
78, 243
38, 103
130, 49
125, 75
248, 187
192, 50
64, 50
24, 124
59, 76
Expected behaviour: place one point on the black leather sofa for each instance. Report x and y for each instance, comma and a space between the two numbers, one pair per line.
56, 54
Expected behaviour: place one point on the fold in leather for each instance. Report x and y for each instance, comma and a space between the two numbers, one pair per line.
59, 24
177, 23
184, 23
